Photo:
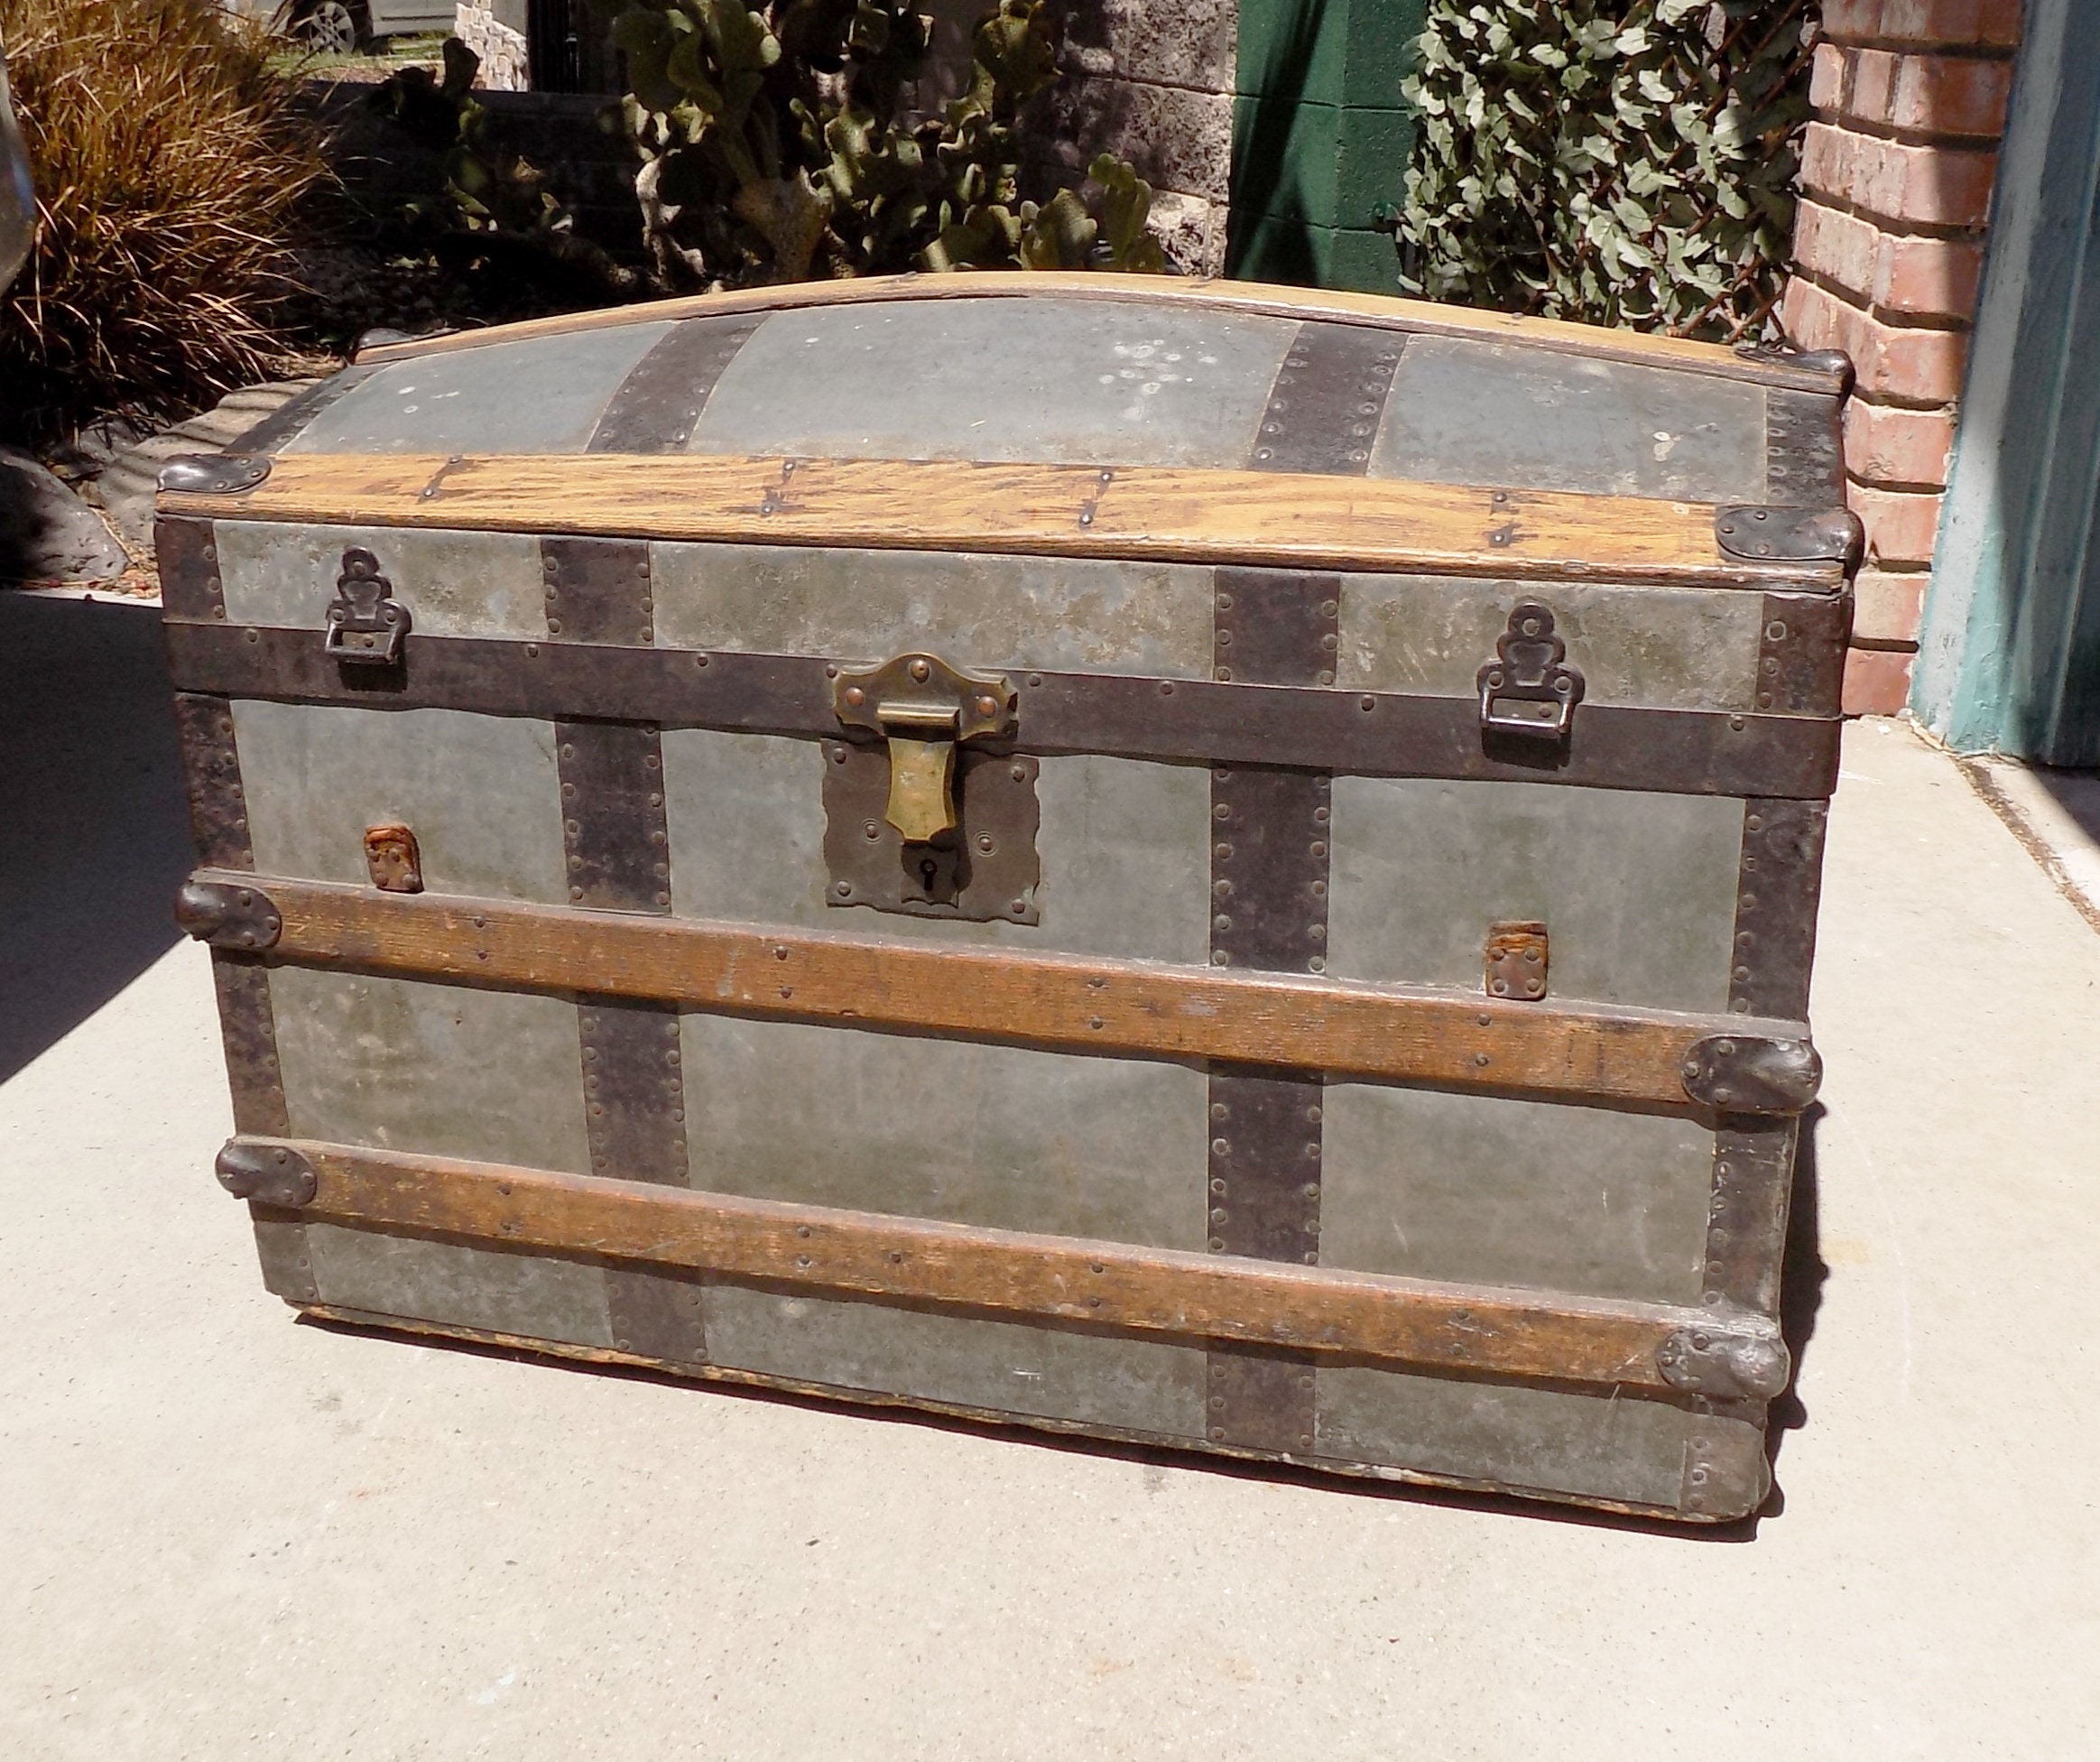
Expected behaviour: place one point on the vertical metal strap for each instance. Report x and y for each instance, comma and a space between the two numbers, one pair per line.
617, 847
1268, 912
292, 419
1269, 876
218, 826
1777, 888
659, 404
1747, 1219
1327, 400
1801, 654
1804, 449
187, 555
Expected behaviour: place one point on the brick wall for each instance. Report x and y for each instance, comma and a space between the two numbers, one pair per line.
1896, 175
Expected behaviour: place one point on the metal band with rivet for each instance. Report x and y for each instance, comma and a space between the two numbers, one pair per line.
658, 406
616, 858
1307, 727
1269, 865
190, 587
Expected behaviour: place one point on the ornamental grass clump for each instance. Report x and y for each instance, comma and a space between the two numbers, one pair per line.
169, 159
1621, 161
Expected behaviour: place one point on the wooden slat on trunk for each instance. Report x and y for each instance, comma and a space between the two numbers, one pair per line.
1445, 1039
1482, 1329
1284, 519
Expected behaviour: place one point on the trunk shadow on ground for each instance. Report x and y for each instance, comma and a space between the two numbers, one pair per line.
94, 830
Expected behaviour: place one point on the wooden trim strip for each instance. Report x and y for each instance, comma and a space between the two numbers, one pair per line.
1372, 733
1289, 520
1475, 1330
1419, 317
1448, 1040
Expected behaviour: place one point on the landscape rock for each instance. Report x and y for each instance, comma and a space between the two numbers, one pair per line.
47, 533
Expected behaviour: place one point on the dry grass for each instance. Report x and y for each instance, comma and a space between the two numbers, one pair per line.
169, 161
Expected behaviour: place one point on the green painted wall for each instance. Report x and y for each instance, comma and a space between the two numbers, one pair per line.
2008, 657
1321, 140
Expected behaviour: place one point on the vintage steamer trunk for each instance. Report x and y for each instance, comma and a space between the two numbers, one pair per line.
1183, 862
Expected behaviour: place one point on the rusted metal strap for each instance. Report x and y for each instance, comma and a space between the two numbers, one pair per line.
659, 404
1610, 1054
292, 419
1269, 897
1321, 728
1327, 399
618, 851
218, 823
1481, 1330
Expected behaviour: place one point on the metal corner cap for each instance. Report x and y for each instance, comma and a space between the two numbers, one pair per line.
1760, 534
1835, 362
229, 915
213, 474
1741, 1361
1737, 1073
272, 1173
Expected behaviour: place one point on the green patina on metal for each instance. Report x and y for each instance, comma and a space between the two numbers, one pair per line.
2010, 655
1322, 140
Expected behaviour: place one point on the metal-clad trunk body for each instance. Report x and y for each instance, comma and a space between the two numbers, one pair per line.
646, 728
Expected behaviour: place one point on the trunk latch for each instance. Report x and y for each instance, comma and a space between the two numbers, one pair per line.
1528, 689
366, 623
924, 709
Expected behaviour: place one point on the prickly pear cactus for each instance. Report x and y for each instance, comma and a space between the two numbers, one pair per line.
774, 146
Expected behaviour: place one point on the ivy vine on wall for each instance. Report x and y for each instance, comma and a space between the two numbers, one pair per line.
1628, 164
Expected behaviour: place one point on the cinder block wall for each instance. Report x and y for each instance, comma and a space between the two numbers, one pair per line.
1896, 177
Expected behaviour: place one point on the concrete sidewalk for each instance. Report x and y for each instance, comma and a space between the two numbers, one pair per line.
228, 1535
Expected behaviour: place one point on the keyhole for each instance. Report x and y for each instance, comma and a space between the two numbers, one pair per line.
928, 869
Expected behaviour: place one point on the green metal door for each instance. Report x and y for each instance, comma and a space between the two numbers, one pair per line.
2009, 654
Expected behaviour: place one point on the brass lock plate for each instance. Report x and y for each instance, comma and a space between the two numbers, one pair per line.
984, 869
923, 710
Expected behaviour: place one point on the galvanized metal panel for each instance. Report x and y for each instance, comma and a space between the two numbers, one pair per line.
1052, 1373
1637, 892
440, 1070
539, 395
999, 1137
1673, 648
480, 793
1123, 842
975, 611
534, 1295
1486, 1190
454, 584
1495, 412
1610, 1447
1084, 382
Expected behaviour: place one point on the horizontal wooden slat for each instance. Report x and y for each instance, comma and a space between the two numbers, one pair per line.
1139, 511
1486, 1329
1443, 1039
1416, 316
1387, 734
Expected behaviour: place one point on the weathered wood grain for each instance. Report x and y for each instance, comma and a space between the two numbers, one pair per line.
1448, 1039
1169, 513
1418, 317
1482, 1329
